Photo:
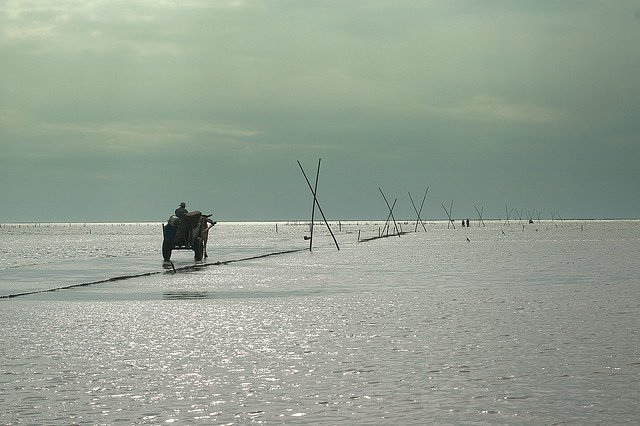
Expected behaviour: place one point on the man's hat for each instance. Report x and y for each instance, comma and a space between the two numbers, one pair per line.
183, 205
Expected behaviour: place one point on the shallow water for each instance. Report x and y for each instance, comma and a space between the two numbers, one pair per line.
488, 324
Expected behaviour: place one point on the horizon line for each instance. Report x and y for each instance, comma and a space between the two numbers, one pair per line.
298, 221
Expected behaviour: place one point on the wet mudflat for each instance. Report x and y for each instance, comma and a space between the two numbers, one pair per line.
534, 326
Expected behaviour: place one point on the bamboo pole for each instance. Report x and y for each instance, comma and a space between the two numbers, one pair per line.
422, 205
449, 215
480, 221
318, 204
390, 210
386, 223
417, 213
313, 206
508, 214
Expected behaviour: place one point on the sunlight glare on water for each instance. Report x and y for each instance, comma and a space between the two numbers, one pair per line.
533, 326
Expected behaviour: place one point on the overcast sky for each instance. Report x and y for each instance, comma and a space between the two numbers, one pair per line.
119, 110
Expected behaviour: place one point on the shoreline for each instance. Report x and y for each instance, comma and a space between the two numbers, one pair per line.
306, 222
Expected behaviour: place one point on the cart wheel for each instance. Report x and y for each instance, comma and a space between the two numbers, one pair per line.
166, 250
198, 248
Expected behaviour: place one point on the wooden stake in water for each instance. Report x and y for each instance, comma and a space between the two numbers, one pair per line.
313, 207
422, 205
417, 213
390, 211
315, 198
480, 221
449, 215
508, 214
385, 228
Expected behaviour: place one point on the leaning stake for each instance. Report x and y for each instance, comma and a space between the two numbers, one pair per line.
423, 199
390, 212
449, 214
313, 206
318, 204
480, 214
418, 213
386, 223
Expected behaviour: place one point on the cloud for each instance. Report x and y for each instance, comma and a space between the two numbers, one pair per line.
491, 108
26, 32
98, 26
27, 135
152, 131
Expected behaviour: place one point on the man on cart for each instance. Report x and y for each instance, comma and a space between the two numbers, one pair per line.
186, 231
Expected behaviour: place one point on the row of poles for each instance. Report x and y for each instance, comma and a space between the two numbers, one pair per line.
391, 218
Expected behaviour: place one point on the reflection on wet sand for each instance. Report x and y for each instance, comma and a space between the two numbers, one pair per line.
184, 295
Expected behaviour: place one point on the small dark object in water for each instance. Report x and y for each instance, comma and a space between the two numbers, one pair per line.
306, 237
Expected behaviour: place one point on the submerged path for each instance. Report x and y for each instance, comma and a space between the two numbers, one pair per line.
146, 274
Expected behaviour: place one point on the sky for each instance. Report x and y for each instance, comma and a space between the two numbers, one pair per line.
114, 111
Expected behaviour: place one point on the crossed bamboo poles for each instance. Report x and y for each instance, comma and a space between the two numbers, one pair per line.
314, 192
449, 212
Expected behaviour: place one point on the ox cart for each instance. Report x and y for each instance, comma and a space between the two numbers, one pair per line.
186, 234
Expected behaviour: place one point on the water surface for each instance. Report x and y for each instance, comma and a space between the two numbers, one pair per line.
495, 324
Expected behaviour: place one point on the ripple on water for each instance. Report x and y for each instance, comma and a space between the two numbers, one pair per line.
340, 337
